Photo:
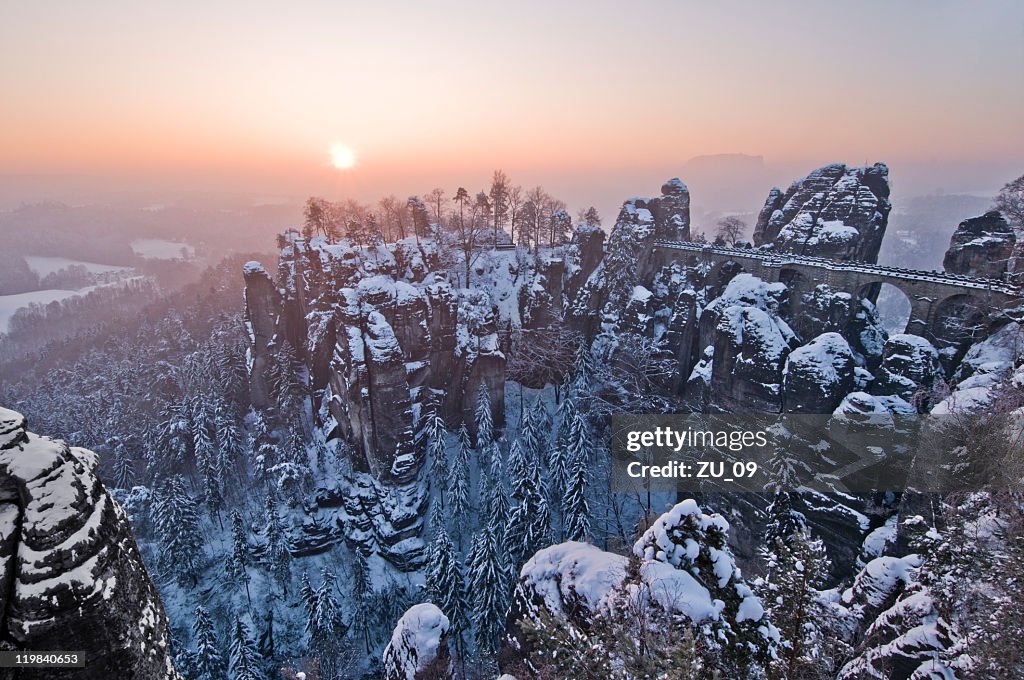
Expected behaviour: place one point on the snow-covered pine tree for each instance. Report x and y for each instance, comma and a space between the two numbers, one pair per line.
784, 521
458, 484
575, 508
246, 663
209, 662
276, 555
124, 467
484, 426
533, 436
362, 596
446, 584
437, 449
326, 626
177, 522
529, 527
229, 439
240, 557
487, 586
796, 567
583, 370
571, 438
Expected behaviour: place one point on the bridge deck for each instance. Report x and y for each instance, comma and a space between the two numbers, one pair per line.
771, 259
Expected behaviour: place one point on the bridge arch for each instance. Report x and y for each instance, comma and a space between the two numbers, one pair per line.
894, 306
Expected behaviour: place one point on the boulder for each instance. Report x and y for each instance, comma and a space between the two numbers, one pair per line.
71, 577
818, 375
836, 212
981, 246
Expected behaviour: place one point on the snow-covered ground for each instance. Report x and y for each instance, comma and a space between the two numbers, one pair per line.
44, 266
162, 249
9, 304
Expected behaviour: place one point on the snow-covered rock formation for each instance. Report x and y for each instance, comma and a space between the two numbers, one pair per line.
71, 577
681, 566
418, 645
981, 246
836, 211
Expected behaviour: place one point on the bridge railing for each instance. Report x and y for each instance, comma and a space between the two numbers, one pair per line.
772, 259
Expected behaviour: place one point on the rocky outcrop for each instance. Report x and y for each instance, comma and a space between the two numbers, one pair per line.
910, 366
817, 375
981, 246
747, 342
418, 649
71, 577
836, 212
597, 303
262, 310
681, 566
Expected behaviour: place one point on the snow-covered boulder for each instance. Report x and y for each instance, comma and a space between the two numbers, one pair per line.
750, 343
817, 375
71, 577
681, 565
417, 644
836, 211
981, 246
910, 363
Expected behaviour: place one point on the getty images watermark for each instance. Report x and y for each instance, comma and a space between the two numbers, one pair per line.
859, 454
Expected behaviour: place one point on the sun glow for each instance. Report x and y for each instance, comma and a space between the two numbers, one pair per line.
342, 157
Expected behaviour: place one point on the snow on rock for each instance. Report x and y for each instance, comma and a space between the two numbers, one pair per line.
417, 642
682, 565
909, 363
879, 582
70, 571
980, 246
750, 341
572, 575
818, 375
836, 211
986, 365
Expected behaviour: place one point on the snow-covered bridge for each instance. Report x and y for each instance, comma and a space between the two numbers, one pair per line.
942, 305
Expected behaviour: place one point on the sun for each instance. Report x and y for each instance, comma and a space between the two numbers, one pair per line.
342, 157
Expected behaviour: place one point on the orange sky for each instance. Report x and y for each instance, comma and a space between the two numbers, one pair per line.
250, 96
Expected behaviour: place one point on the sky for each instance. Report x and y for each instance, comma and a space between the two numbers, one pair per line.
592, 99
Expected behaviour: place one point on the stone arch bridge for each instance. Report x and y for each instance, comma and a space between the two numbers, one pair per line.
944, 307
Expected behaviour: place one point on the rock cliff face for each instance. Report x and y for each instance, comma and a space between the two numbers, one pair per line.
836, 212
71, 577
378, 340
981, 246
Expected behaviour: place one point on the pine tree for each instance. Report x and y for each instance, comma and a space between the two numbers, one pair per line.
208, 460
445, 583
240, 558
583, 370
208, 660
177, 521
458, 483
571, 437
362, 595
124, 467
245, 658
487, 585
484, 418
437, 450
529, 527
326, 628
229, 439
277, 557
796, 566
784, 521
575, 509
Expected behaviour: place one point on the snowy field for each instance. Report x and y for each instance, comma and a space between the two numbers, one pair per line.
9, 304
44, 266
162, 249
